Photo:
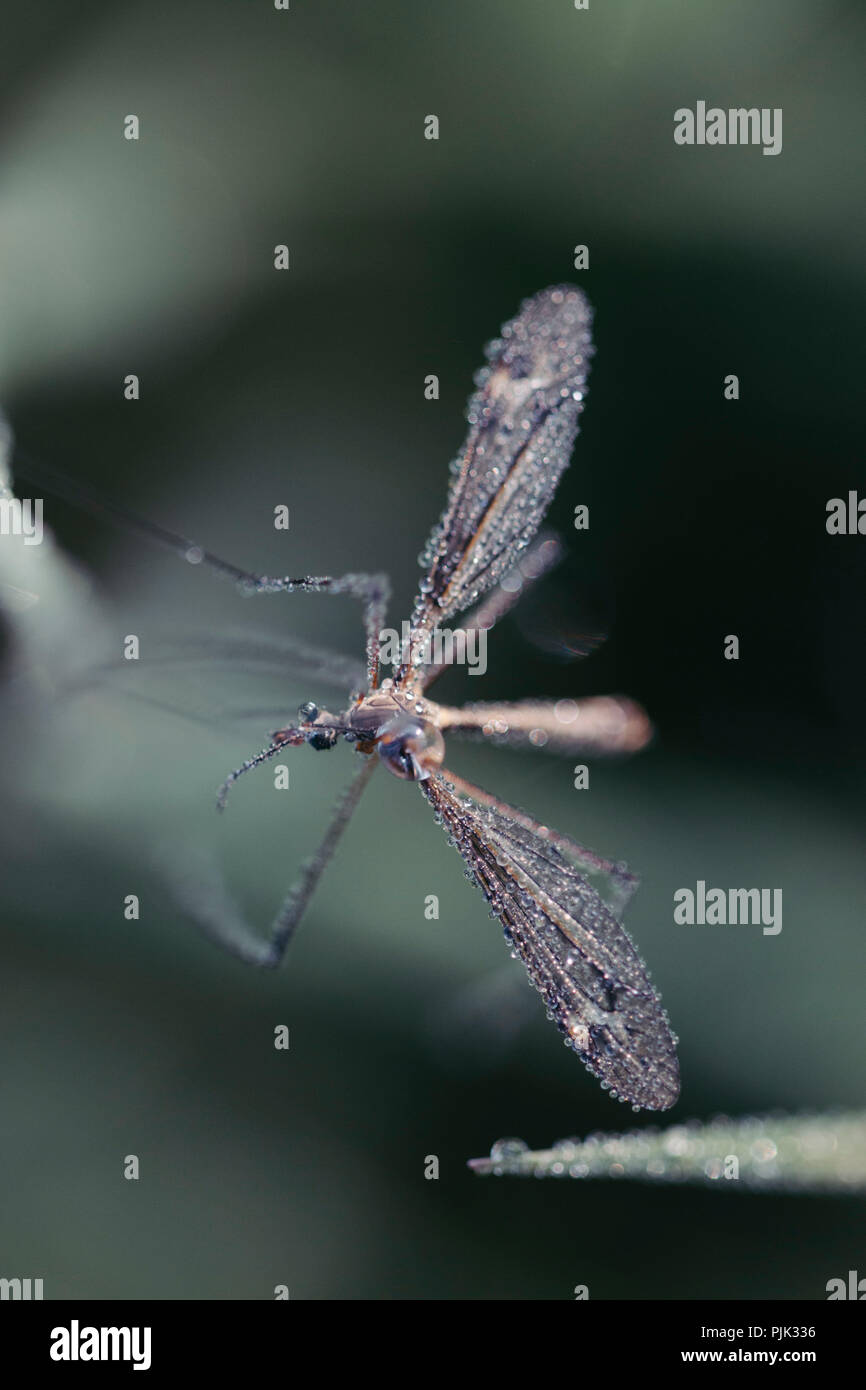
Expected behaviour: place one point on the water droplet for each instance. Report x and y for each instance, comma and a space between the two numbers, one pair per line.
505, 1149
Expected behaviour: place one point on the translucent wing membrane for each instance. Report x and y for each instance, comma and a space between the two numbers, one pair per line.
600, 725
522, 425
543, 555
207, 679
577, 953
259, 654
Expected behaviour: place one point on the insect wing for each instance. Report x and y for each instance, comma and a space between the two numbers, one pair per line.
523, 420
578, 955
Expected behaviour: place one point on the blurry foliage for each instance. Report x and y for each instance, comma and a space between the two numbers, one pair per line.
812, 1153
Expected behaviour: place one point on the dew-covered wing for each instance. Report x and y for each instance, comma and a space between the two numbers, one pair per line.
522, 425
578, 955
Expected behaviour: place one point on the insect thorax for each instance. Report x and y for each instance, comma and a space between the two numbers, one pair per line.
403, 732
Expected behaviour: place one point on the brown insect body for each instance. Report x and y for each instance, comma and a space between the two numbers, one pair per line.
523, 419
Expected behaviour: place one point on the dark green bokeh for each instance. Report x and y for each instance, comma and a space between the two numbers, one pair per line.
707, 518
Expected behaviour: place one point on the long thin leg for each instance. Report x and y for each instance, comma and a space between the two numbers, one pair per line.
623, 883
373, 590
210, 906
598, 725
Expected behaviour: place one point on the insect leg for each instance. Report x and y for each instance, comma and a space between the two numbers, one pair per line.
210, 907
373, 590
600, 725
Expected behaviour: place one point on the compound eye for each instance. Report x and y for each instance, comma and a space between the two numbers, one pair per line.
412, 748
322, 739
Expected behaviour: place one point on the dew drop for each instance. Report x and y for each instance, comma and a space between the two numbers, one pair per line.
508, 1149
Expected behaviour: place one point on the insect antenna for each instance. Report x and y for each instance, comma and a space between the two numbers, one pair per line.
285, 738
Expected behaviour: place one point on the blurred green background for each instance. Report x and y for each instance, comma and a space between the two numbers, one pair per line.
707, 518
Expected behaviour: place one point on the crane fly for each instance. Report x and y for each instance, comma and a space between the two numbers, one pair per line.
523, 420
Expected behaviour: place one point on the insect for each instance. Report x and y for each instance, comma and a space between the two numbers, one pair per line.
523, 420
